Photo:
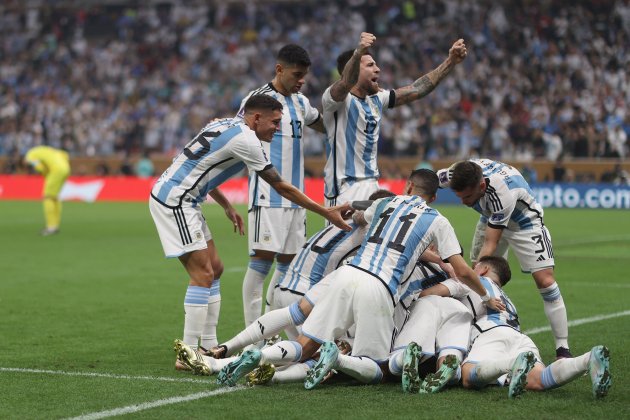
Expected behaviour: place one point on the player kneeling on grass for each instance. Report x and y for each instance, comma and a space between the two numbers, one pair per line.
499, 347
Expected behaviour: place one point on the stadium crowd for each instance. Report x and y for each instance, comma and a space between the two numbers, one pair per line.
543, 80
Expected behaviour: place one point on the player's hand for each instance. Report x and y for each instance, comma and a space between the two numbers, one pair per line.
495, 304
448, 269
336, 215
236, 220
458, 51
365, 42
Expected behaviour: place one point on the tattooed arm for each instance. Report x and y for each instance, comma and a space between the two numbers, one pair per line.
425, 84
350, 75
288, 191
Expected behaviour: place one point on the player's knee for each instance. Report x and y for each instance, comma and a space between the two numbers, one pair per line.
217, 268
544, 278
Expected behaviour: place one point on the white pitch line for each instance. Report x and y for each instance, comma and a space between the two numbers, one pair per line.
580, 321
103, 375
152, 404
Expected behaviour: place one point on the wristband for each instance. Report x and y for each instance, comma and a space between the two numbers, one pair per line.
485, 298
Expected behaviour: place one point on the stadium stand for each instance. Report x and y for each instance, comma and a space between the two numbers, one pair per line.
115, 78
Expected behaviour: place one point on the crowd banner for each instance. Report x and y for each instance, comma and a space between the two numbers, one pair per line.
124, 188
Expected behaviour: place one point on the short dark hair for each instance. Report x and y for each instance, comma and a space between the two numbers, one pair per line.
342, 60
425, 180
262, 103
381, 194
500, 267
465, 174
294, 54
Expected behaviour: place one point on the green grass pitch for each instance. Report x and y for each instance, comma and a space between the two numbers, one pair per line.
88, 318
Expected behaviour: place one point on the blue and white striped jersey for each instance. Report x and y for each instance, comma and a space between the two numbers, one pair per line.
352, 129
323, 253
424, 275
221, 150
286, 148
401, 229
484, 318
509, 201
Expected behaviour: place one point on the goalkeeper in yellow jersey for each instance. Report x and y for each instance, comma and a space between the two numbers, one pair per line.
54, 164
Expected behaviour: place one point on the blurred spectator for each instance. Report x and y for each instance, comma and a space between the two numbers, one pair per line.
126, 168
102, 168
144, 166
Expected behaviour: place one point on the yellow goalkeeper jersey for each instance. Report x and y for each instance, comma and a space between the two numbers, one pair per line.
47, 159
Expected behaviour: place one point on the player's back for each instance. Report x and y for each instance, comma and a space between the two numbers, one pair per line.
485, 318
46, 158
216, 154
321, 254
401, 228
507, 196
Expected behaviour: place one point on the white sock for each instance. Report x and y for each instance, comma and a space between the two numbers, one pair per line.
563, 371
218, 364
253, 283
266, 326
209, 334
396, 362
295, 372
363, 369
282, 353
281, 270
556, 314
489, 371
196, 311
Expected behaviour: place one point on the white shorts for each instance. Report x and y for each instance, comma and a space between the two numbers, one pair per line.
284, 298
436, 323
532, 248
500, 343
279, 230
355, 297
181, 229
316, 292
354, 190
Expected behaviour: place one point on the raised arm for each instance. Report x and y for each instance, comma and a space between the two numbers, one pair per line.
425, 84
288, 191
350, 75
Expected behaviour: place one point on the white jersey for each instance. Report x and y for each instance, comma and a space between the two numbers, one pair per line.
353, 129
220, 151
401, 229
285, 150
321, 254
509, 201
485, 318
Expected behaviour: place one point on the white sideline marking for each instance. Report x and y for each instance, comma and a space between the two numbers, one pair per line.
589, 284
103, 375
579, 322
158, 403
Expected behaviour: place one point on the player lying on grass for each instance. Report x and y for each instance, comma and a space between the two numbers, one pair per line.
366, 290
499, 347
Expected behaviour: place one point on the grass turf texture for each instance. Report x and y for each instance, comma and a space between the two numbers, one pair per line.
101, 299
